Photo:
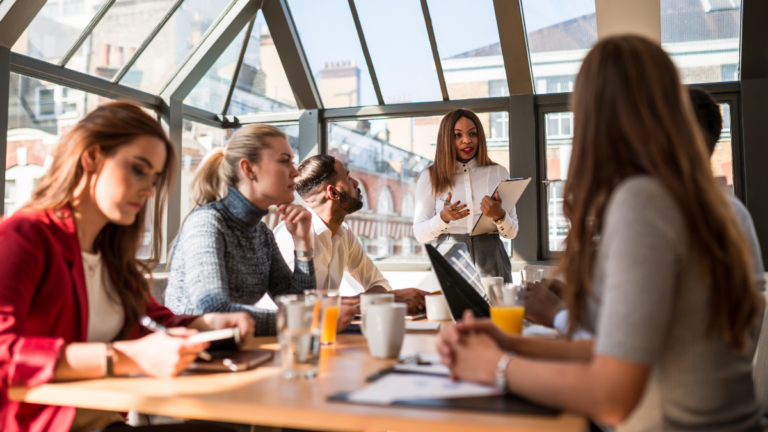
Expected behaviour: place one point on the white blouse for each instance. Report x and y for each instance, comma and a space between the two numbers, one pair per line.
471, 184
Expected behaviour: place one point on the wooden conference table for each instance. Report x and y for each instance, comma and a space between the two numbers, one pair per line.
261, 396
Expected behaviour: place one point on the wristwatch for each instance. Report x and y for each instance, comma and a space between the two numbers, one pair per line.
500, 220
305, 254
501, 372
110, 358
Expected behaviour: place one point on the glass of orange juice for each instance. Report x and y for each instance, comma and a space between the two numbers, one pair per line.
330, 305
508, 307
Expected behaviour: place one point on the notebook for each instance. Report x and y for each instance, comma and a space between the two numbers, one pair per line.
509, 192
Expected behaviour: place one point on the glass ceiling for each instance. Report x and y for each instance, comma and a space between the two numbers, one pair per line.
129, 45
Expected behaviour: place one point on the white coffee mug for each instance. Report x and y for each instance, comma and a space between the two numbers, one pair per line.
489, 282
437, 308
367, 299
386, 329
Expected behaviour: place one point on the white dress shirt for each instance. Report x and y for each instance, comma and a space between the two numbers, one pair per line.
333, 255
471, 184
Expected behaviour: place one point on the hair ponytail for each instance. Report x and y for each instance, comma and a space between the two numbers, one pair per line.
219, 168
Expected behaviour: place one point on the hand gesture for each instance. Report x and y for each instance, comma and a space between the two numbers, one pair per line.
218, 321
491, 207
298, 221
159, 355
453, 211
413, 297
471, 356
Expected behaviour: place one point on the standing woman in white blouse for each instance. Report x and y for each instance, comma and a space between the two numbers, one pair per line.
464, 177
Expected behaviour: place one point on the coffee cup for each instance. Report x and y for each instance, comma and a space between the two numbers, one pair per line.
437, 308
385, 323
367, 299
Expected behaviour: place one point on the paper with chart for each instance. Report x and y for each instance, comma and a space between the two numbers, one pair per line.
404, 387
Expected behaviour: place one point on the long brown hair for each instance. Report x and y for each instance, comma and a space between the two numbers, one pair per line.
441, 172
109, 127
632, 116
219, 169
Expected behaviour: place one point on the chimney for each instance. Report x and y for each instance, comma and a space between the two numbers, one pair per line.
340, 84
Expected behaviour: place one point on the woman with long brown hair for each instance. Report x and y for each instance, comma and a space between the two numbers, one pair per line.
453, 193
71, 288
655, 264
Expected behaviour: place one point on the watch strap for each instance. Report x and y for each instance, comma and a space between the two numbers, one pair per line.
305, 254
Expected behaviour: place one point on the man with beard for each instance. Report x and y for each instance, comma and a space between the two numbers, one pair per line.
331, 194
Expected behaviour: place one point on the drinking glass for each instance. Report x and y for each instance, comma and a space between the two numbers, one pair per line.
531, 276
299, 335
508, 307
330, 305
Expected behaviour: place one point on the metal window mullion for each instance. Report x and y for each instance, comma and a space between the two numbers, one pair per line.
435, 54
236, 74
5, 102
366, 53
168, 14
86, 32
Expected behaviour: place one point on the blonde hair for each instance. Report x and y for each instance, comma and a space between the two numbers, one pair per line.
219, 168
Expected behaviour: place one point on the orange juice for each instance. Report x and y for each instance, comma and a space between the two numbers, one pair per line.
328, 333
508, 318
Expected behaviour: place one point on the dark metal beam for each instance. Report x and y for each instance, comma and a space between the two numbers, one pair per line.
286, 38
15, 17
309, 134
5, 101
172, 115
86, 32
435, 53
239, 64
215, 41
198, 115
522, 153
366, 53
49, 72
274, 117
416, 109
136, 54
514, 46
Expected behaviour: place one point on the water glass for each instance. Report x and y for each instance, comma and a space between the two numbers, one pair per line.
508, 307
531, 276
299, 335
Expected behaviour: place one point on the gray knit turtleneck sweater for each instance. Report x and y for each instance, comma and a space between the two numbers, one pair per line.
225, 259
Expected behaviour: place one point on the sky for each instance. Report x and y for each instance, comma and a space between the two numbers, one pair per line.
397, 38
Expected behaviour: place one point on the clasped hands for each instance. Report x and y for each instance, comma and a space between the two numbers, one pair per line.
490, 206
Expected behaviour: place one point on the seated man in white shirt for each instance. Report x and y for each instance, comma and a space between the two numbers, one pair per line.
331, 194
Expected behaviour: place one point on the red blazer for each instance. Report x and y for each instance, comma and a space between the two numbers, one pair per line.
43, 306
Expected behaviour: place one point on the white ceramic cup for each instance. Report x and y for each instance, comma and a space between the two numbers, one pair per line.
385, 324
367, 299
437, 308
489, 282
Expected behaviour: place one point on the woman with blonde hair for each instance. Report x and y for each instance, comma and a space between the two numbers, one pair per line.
225, 258
71, 288
453, 193
655, 263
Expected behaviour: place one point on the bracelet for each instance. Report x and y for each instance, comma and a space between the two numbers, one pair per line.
501, 371
110, 358
305, 254
500, 220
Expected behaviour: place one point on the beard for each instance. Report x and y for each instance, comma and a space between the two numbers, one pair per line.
348, 203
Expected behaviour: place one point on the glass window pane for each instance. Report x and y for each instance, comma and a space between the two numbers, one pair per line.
722, 157
399, 45
560, 33
171, 46
117, 36
472, 61
210, 93
334, 53
261, 83
386, 156
558, 142
55, 28
35, 126
703, 38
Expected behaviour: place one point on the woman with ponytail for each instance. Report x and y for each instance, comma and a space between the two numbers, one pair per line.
71, 288
225, 258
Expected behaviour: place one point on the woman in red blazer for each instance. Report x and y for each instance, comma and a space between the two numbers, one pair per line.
91, 203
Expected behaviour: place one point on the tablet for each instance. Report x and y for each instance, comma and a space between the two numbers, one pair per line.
509, 192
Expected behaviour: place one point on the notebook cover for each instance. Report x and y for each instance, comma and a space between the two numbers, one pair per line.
459, 294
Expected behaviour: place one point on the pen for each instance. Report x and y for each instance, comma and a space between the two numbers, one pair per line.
155, 326
445, 201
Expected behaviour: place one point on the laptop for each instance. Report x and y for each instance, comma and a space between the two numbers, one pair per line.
459, 293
